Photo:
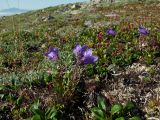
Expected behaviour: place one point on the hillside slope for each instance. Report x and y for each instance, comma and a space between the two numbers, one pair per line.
127, 69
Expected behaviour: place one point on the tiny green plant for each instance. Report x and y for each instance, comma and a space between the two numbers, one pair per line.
116, 112
39, 114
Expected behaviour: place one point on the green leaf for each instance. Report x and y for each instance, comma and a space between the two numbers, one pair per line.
101, 104
51, 113
19, 101
2, 96
36, 117
134, 118
38, 112
120, 118
2, 87
98, 113
129, 105
35, 105
116, 108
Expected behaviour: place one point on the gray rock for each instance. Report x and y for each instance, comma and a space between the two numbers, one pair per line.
88, 23
48, 18
76, 6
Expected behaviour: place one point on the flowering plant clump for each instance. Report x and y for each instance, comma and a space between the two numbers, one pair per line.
84, 55
52, 54
143, 30
63, 82
111, 32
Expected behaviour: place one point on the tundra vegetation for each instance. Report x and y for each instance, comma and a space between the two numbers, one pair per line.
81, 62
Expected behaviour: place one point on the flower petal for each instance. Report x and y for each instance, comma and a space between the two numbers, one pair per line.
83, 49
52, 53
89, 59
143, 30
88, 52
111, 32
77, 49
95, 58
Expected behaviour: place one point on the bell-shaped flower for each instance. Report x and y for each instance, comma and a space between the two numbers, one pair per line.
79, 50
143, 30
88, 58
52, 54
111, 32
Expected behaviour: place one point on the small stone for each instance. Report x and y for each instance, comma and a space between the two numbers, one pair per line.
43, 46
75, 6
88, 23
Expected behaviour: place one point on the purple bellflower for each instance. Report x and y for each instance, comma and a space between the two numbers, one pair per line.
88, 58
111, 32
84, 54
79, 50
143, 30
52, 54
